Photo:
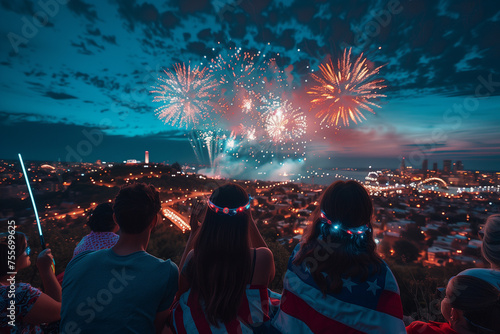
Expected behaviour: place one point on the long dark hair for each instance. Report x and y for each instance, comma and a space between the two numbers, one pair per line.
220, 267
346, 205
480, 302
20, 241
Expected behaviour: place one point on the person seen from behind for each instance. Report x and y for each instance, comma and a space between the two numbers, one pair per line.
491, 241
335, 281
102, 230
123, 289
226, 268
471, 305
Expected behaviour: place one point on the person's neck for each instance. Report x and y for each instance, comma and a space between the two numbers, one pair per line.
131, 243
461, 327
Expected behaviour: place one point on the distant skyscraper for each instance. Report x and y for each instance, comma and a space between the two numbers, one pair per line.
459, 165
403, 165
146, 158
425, 165
435, 166
446, 166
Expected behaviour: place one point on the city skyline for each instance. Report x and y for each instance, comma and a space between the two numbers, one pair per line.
75, 86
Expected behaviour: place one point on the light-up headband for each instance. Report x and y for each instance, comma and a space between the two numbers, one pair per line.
228, 211
337, 227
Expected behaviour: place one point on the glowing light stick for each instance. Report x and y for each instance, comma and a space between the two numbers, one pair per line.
42, 241
32, 201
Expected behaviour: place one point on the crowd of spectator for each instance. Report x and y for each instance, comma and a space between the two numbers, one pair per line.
335, 280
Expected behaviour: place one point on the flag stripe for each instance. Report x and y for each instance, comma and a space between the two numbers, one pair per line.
179, 321
390, 282
390, 303
244, 310
264, 304
317, 322
358, 317
233, 327
189, 316
197, 313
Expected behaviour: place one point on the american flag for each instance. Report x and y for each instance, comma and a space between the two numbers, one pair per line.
372, 306
254, 310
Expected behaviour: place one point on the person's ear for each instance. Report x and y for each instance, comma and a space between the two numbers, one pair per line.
456, 315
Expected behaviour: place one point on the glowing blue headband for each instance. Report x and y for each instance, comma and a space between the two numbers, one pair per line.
337, 227
228, 211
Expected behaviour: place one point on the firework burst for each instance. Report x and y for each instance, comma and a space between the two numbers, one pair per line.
186, 94
236, 68
345, 90
237, 73
285, 123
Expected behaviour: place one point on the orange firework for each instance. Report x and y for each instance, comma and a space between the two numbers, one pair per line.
346, 90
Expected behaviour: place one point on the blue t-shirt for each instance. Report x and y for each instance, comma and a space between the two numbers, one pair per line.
107, 293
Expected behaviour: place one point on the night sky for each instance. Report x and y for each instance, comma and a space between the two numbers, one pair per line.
75, 75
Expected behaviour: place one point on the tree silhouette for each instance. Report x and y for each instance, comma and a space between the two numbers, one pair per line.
405, 251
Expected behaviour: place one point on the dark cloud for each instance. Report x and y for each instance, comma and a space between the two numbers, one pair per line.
14, 118
433, 144
199, 48
169, 20
93, 43
95, 32
37, 84
110, 39
60, 96
81, 48
21, 6
189, 7
133, 13
35, 73
84, 9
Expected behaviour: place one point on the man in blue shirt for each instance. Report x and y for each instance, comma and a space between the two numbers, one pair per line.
122, 289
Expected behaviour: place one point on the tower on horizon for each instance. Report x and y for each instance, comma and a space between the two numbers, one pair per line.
403, 165
146, 157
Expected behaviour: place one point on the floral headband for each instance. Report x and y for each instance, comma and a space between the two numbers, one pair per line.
229, 211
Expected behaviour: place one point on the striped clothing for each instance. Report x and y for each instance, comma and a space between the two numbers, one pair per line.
189, 317
373, 306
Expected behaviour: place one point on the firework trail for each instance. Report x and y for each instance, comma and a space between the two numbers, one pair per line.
186, 94
345, 90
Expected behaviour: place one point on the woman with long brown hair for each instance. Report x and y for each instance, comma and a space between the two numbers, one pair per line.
226, 268
335, 280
